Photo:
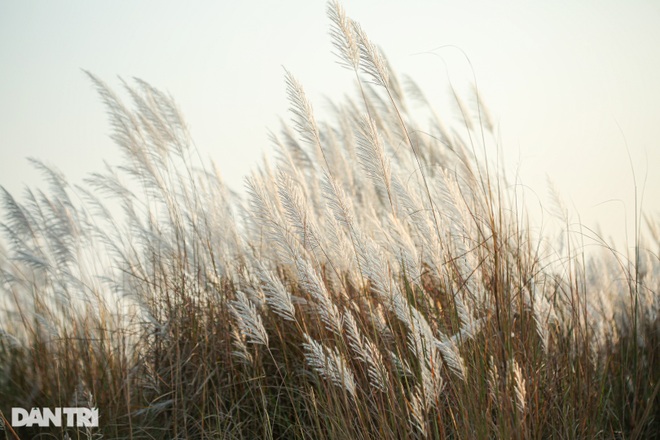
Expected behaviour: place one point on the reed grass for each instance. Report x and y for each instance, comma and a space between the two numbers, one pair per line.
378, 281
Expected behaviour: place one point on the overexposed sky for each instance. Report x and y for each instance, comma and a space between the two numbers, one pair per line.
569, 83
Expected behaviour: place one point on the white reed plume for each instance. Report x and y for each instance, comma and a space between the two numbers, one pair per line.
248, 319
372, 62
402, 247
420, 334
339, 244
464, 314
292, 156
493, 380
366, 352
267, 221
303, 120
373, 160
468, 332
542, 312
432, 382
241, 352
452, 356
298, 214
343, 36
418, 411
401, 365
338, 202
329, 364
421, 342
277, 295
517, 381
313, 284
342, 209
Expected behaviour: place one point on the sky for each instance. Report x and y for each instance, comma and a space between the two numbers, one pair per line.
573, 86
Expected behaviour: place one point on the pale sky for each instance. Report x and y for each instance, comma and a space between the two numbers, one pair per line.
569, 83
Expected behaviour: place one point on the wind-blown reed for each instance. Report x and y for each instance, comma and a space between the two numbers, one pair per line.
378, 280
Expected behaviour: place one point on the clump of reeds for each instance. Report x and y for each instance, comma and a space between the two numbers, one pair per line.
379, 281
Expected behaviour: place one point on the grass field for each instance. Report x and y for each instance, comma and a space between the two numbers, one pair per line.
380, 280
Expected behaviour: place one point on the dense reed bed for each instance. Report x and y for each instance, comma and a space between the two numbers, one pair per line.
380, 280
